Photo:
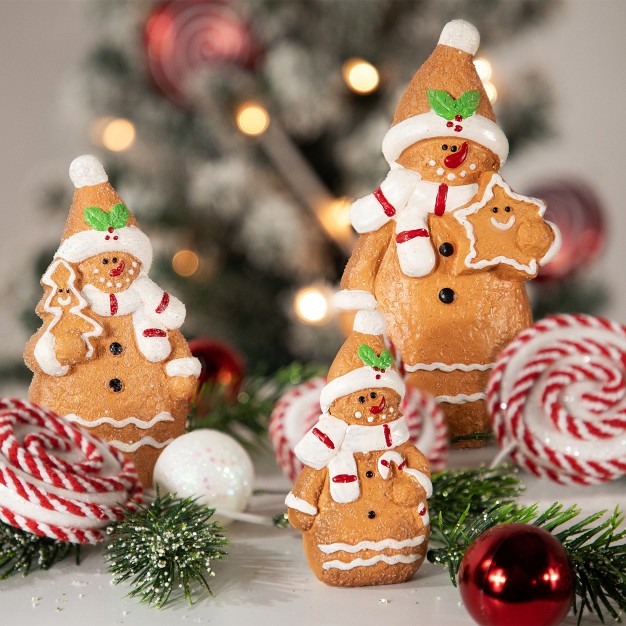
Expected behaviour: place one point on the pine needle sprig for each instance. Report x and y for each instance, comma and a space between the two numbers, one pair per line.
165, 547
21, 551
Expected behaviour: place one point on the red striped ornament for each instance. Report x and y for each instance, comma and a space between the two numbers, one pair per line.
57, 480
299, 409
557, 399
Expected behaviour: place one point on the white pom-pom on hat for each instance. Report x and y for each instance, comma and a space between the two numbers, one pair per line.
461, 35
86, 171
369, 323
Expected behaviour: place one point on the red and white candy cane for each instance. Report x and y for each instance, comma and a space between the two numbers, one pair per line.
57, 480
299, 409
557, 399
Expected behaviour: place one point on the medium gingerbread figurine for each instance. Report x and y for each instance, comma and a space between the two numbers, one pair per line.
445, 246
360, 500
109, 356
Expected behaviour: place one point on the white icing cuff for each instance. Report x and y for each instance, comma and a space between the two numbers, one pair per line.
188, 366
422, 479
86, 171
461, 35
354, 300
369, 323
293, 502
553, 250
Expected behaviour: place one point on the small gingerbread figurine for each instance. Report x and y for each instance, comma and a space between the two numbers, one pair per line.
360, 500
109, 355
445, 246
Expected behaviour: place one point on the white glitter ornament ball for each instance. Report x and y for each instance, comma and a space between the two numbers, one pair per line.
208, 465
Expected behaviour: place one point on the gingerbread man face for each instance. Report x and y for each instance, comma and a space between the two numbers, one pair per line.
368, 407
449, 160
61, 282
506, 227
111, 272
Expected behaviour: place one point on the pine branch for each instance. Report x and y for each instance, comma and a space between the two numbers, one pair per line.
166, 546
21, 551
245, 417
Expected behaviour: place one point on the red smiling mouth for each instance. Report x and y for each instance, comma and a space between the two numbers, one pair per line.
456, 158
380, 408
118, 270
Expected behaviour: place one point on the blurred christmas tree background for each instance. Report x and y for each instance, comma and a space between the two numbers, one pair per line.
239, 131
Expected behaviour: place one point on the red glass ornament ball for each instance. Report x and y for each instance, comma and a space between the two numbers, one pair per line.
220, 362
516, 575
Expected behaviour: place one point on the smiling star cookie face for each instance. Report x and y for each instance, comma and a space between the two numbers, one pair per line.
504, 227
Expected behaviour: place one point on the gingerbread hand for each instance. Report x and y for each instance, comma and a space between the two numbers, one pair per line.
407, 492
182, 386
300, 521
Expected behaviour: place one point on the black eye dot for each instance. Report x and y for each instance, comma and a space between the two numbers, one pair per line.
114, 259
453, 149
67, 291
371, 514
361, 399
445, 146
373, 395
60, 290
105, 261
495, 209
369, 473
507, 209
116, 385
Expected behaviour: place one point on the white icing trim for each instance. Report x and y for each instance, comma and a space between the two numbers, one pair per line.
427, 125
87, 243
369, 323
354, 299
86, 170
463, 214
313, 452
369, 438
390, 560
293, 502
422, 479
553, 250
187, 366
355, 380
383, 544
461, 35
391, 456
504, 225
164, 416
448, 367
462, 398
122, 446
45, 356
426, 517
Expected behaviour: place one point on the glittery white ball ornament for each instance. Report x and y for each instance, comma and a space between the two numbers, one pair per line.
208, 465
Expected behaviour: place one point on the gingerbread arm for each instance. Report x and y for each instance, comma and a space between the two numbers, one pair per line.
181, 368
303, 499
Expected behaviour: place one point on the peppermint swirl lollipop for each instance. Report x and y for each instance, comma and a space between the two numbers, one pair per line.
557, 398
298, 410
58, 481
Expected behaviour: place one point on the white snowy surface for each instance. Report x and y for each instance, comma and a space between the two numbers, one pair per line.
265, 579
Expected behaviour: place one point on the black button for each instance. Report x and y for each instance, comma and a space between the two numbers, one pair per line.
446, 249
116, 348
369, 473
116, 385
371, 515
447, 295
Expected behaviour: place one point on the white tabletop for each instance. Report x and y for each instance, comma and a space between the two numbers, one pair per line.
265, 579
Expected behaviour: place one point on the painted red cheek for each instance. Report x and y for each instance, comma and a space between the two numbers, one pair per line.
455, 159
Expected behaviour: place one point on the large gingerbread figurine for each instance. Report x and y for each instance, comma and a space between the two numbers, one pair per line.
109, 356
360, 499
445, 246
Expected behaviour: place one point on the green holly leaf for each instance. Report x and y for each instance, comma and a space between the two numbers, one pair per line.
118, 216
442, 103
367, 355
96, 218
467, 103
385, 360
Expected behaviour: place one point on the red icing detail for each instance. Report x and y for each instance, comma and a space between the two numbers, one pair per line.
108, 237
407, 235
387, 207
165, 300
458, 128
384, 463
458, 118
110, 229
324, 438
449, 124
154, 332
402, 465
116, 237
440, 202
455, 159
344, 478
423, 512
118, 270
387, 432
377, 376
113, 303
380, 408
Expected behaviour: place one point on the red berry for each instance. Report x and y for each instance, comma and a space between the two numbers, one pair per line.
383, 371
458, 128
458, 118
116, 237
108, 237
110, 229
377, 376
375, 368
449, 124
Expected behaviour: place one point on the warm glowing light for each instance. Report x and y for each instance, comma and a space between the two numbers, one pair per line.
185, 262
252, 119
360, 76
311, 305
497, 578
552, 576
116, 134
483, 68
490, 89
335, 217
